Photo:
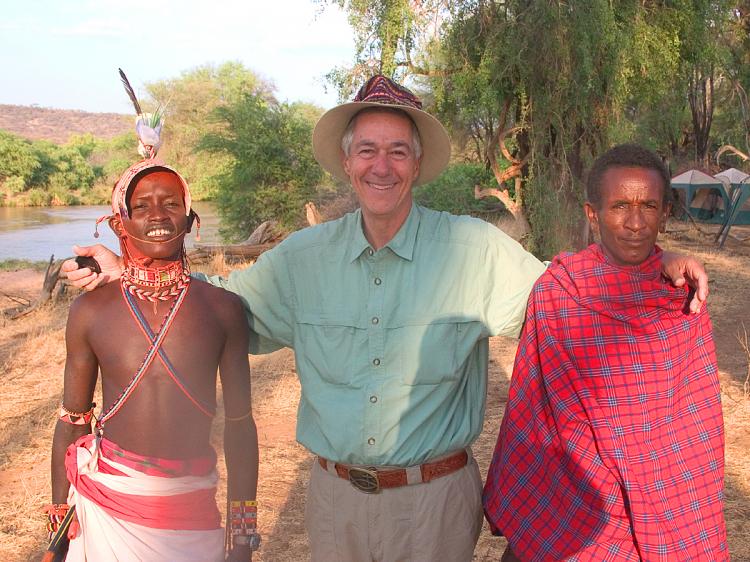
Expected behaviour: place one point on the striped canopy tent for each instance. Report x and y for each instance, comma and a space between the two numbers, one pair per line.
701, 195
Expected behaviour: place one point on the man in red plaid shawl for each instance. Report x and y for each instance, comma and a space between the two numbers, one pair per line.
612, 444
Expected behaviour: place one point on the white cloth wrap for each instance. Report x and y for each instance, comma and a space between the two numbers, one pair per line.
104, 538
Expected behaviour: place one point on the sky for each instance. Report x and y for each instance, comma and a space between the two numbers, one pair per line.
65, 54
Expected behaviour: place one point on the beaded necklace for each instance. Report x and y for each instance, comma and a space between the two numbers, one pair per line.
155, 283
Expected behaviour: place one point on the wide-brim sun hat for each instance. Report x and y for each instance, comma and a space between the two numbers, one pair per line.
380, 91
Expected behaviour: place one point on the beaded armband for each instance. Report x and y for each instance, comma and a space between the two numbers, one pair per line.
77, 418
243, 523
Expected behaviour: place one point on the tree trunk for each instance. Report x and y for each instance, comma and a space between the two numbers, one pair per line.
701, 100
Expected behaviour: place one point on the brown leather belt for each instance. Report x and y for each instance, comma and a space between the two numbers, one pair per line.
371, 479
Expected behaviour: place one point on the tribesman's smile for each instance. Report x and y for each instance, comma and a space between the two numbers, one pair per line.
159, 232
158, 222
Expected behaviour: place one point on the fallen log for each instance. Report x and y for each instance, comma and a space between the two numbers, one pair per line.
232, 251
51, 277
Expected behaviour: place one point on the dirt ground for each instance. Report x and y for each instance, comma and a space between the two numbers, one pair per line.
32, 356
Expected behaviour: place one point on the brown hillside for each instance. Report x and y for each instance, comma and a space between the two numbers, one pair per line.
56, 125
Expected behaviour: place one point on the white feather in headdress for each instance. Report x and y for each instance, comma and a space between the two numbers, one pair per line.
149, 138
147, 125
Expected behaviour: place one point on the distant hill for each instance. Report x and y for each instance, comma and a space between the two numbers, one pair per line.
56, 125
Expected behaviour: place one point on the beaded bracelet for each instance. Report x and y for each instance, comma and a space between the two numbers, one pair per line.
55, 513
243, 517
242, 524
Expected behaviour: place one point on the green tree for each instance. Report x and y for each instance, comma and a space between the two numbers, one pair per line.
190, 102
17, 158
61, 167
389, 39
271, 171
536, 89
449, 193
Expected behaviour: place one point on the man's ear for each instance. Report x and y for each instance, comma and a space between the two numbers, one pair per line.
345, 163
115, 223
591, 215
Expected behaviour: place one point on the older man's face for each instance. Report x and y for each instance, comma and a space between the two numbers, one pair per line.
630, 213
382, 166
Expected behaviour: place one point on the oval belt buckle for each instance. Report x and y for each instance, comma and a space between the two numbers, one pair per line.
364, 479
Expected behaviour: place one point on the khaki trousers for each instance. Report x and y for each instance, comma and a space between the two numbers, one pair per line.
434, 522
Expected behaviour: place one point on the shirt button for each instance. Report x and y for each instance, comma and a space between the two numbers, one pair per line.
371, 441
370, 252
375, 319
373, 399
376, 361
378, 281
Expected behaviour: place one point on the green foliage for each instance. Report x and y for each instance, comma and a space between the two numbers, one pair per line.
61, 167
387, 36
17, 158
46, 173
453, 191
272, 172
109, 158
13, 184
563, 81
37, 197
190, 103
85, 144
59, 194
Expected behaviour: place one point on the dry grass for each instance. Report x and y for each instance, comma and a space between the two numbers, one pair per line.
32, 357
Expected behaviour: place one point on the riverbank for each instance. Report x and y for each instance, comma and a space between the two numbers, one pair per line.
38, 197
32, 351
36, 233
11, 265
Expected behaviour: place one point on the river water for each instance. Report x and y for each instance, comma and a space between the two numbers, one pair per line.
36, 233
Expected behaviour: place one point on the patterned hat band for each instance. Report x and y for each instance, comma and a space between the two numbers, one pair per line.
380, 89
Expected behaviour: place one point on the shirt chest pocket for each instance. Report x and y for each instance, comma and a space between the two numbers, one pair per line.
327, 345
431, 353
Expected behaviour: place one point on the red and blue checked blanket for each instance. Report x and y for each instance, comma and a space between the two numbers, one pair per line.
612, 443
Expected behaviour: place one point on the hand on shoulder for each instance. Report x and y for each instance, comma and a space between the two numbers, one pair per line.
84, 278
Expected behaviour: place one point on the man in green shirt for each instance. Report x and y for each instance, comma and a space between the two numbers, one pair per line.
388, 310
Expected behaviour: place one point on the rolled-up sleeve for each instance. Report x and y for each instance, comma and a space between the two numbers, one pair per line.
509, 273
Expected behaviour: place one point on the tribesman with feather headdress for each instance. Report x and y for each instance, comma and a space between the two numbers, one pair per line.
142, 482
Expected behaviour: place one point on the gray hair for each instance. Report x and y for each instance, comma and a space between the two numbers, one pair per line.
348, 136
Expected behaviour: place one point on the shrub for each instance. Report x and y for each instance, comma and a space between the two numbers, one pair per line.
38, 197
453, 191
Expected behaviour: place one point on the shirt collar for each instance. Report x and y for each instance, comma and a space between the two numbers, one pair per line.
402, 244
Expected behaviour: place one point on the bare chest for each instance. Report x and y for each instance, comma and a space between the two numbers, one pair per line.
191, 341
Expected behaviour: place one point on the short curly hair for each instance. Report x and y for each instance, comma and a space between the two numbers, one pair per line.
626, 156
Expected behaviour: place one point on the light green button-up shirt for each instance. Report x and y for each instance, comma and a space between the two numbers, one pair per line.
391, 346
